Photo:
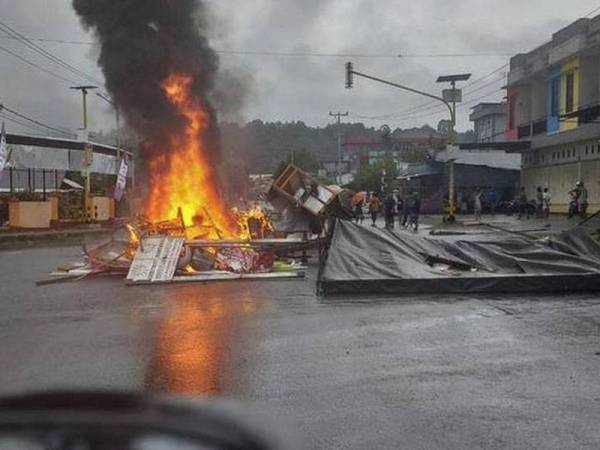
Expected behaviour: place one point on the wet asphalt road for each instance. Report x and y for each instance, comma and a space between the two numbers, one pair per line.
470, 372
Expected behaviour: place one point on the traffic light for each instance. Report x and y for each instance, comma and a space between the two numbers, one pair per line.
349, 75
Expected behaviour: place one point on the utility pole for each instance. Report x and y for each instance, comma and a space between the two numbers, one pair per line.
339, 116
87, 204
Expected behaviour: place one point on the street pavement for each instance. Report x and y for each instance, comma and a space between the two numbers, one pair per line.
419, 372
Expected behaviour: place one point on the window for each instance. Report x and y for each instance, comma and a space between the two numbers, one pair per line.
555, 99
570, 86
586, 150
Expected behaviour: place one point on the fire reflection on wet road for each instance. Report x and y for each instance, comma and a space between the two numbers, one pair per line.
195, 340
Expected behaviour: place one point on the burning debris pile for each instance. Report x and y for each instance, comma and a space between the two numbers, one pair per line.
147, 252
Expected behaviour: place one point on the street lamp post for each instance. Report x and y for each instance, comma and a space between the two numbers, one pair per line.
452, 96
449, 99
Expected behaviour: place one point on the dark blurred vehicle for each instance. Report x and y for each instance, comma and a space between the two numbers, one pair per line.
122, 421
512, 207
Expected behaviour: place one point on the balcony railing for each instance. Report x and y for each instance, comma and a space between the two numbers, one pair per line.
590, 114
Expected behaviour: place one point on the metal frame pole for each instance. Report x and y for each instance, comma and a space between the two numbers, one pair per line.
452, 142
339, 116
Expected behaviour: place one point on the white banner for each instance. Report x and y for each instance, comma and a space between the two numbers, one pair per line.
3, 149
121, 180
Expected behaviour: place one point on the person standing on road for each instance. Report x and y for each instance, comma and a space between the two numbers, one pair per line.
539, 203
582, 201
400, 210
414, 209
460, 198
358, 212
374, 207
579, 200
547, 198
389, 208
522, 203
405, 208
477, 204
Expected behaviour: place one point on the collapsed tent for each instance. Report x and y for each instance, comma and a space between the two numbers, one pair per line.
368, 260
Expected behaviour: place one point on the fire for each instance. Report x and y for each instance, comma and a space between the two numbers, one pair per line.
256, 215
134, 240
182, 177
183, 181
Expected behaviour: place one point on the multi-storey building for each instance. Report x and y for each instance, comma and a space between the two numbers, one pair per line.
489, 120
553, 101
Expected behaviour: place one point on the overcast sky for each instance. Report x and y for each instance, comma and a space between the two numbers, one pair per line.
304, 87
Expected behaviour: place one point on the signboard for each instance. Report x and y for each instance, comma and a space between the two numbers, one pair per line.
452, 95
3, 149
121, 180
88, 155
452, 151
156, 260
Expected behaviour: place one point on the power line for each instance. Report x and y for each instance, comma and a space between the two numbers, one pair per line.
55, 41
41, 51
37, 122
433, 113
301, 54
591, 13
37, 66
24, 124
433, 104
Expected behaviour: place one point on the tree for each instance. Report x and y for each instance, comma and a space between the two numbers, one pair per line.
303, 159
369, 176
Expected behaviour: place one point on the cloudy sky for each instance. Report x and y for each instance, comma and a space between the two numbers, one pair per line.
284, 54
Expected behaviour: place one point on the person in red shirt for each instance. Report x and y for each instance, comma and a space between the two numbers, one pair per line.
374, 207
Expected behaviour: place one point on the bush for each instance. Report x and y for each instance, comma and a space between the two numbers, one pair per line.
27, 196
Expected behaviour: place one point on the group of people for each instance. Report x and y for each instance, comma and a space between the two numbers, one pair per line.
541, 205
578, 203
407, 209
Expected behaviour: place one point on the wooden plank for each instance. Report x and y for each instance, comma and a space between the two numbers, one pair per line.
208, 277
238, 243
156, 260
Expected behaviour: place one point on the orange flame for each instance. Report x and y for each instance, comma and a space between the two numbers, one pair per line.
182, 177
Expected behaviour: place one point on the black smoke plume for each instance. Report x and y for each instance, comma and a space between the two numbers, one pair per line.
142, 43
